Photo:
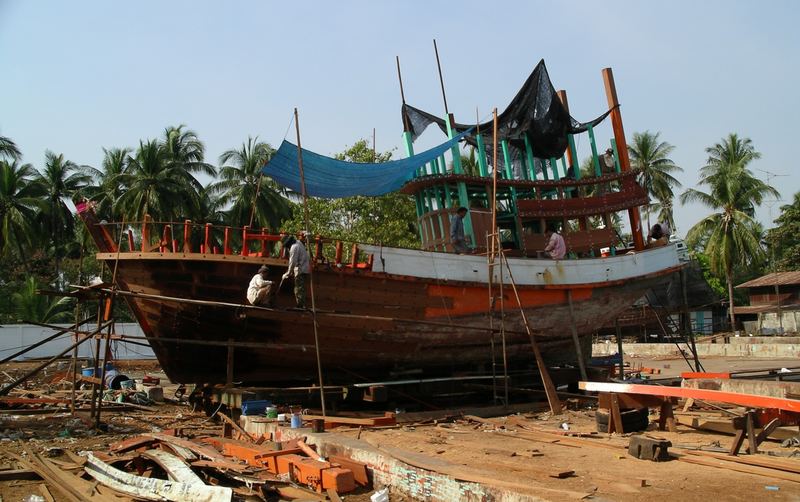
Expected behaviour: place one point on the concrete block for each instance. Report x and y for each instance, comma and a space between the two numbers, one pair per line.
154, 392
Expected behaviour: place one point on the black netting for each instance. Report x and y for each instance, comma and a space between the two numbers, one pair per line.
535, 112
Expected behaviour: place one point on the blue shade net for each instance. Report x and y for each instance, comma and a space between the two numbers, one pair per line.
332, 178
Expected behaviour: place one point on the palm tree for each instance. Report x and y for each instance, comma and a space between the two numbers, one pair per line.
664, 211
651, 157
61, 179
730, 235
184, 148
107, 187
20, 197
8, 149
156, 186
241, 178
34, 307
469, 163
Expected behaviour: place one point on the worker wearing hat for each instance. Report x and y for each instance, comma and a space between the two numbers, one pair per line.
261, 292
299, 267
608, 162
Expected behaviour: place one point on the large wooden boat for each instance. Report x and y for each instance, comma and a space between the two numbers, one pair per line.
382, 310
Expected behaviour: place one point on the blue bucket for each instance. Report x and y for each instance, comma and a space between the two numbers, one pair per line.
87, 372
297, 421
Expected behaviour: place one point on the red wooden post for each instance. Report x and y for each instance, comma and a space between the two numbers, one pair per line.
318, 250
263, 243
164, 239
174, 245
131, 246
226, 248
187, 236
207, 239
338, 257
354, 256
244, 240
146, 234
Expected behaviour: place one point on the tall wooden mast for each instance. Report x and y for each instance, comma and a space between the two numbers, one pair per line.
622, 151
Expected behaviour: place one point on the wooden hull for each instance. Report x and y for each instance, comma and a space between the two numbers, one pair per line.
372, 325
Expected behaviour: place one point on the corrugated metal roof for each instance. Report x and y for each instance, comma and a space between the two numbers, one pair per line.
773, 279
763, 309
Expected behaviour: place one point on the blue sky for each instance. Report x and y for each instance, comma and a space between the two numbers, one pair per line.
79, 76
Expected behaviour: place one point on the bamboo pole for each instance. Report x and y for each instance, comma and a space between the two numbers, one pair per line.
311, 269
24, 378
550, 389
575, 339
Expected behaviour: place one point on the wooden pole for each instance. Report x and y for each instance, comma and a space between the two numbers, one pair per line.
255, 200
96, 357
494, 176
441, 79
549, 388
311, 269
619, 350
19, 381
406, 125
622, 150
106, 354
575, 339
562, 95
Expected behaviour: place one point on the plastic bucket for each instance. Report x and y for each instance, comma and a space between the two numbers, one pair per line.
297, 421
87, 372
272, 412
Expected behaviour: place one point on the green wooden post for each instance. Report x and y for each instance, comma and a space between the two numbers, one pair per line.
595, 158
571, 141
462, 187
531, 159
507, 160
616, 155
454, 150
509, 173
554, 167
409, 144
482, 167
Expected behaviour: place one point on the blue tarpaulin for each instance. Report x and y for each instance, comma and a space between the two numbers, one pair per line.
332, 178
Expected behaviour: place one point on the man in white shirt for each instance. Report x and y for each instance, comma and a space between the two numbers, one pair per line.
260, 291
299, 267
556, 248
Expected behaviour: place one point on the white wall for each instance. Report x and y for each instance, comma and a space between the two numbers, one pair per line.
14, 337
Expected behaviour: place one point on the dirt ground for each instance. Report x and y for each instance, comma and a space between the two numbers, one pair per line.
605, 472
602, 468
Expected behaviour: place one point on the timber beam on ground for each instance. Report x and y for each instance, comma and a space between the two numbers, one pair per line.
747, 400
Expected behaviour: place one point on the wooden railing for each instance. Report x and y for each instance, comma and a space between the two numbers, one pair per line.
224, 240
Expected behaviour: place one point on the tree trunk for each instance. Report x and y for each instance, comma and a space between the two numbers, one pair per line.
729, 277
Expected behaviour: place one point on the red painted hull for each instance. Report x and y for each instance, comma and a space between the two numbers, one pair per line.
370, 325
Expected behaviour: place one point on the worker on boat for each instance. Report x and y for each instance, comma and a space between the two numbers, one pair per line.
299, 267
261, 292
457, 238
607, 162
556, 248
659, 235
